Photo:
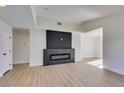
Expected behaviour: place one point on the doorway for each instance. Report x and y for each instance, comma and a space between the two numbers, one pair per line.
92, 45
20, 46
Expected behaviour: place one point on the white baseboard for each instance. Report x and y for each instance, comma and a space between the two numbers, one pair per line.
20, 62
114, 70
32, 65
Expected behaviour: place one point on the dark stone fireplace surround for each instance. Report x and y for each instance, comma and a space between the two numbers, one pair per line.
58, 56
59, 48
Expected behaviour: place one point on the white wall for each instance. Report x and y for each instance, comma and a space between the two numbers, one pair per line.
20, 46
5, 47
37, 44
89, 47
76, 44
99, 47
113, 40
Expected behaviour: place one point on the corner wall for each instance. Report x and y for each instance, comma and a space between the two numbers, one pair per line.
113, 40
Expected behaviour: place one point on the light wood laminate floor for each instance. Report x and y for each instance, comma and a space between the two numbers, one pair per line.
67, 75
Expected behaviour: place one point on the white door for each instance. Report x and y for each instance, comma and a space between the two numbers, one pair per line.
7, 50
1, 55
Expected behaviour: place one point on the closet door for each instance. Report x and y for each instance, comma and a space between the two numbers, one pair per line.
5, 48
1, 51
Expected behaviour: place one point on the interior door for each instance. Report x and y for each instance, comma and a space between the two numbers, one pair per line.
6, 50
1, 48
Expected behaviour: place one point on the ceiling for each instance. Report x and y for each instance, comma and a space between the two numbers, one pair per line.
25, 16
76, 13
19, 16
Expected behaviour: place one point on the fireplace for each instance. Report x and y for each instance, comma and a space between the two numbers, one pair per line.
59, 56
59, 48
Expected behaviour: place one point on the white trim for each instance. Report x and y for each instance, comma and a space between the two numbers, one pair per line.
114, 70
31, 65
20, 62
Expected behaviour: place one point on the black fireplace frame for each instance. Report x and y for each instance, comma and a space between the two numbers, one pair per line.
65, 54
48, 52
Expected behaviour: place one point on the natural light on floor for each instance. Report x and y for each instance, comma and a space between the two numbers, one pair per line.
97, 63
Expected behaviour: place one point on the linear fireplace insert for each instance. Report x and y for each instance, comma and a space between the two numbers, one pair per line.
59, 56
